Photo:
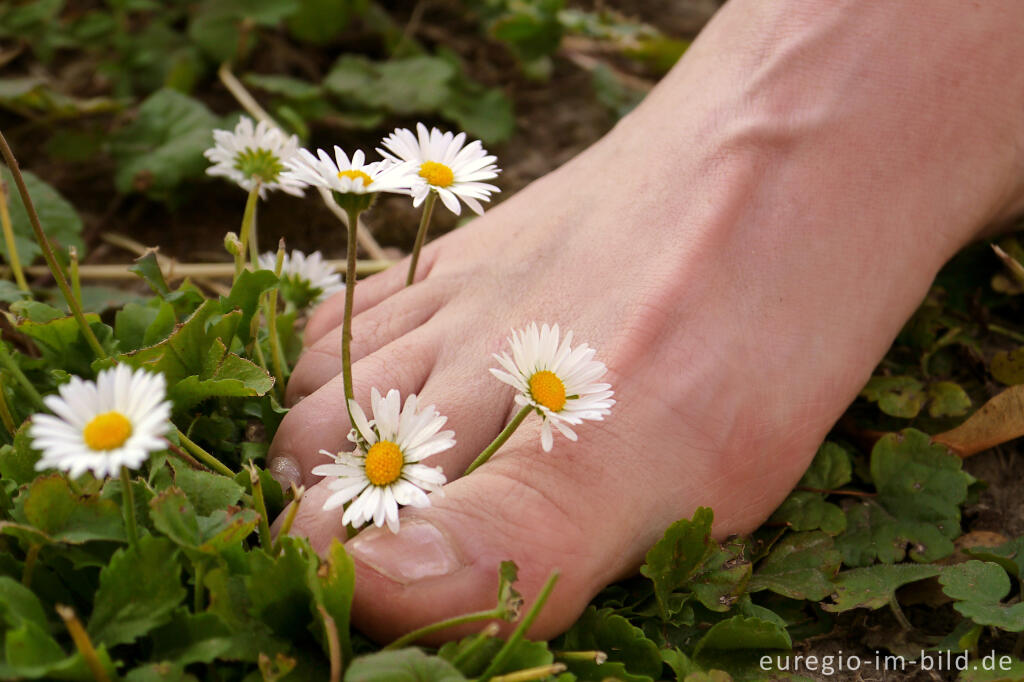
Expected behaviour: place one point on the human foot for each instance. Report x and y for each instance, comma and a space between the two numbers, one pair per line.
741, 251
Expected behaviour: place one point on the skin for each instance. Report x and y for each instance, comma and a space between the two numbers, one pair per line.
741, 250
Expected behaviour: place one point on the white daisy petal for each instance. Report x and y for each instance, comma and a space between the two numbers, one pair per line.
383, 472
114, 422
559, 381
248, 155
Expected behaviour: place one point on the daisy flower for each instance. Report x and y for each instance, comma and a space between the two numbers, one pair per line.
383, 472
102, 426
560, 382
305, 279
246, 155
347, 176
443, 163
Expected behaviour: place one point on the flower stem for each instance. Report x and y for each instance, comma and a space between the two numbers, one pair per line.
520, 631
477, 616
421, 235
44, 244
346, 326
30, 563
83, 643
490, 630
76, 281
12, 366
263, 525
541, 672
12, 248
5, 411
204, 456
276, 356
128, 501
248, 235
289, 518
333, 643
500, 440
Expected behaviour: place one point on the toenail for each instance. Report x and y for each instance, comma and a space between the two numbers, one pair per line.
285, 471
418, 551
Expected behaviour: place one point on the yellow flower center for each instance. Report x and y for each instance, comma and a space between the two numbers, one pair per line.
355, 175
548, 390
437, 174
107, 431
384, 463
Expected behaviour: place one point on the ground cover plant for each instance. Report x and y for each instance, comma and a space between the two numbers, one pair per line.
134, 531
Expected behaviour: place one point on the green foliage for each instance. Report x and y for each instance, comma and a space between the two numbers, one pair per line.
873, 587
979, 588
59, 219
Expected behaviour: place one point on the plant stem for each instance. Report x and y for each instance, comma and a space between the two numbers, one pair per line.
594, 656
204, 456
897, 612
500, 440
490, 630
5, 410
421, 235
527, 675
248, 232
30, 563
174, 271
12, 248
289, 518
198, 596
82, 642
76, 281
346, 326
44, 244
475, 617
333, 643
128, 501
12, 366
263, 525
276, 356
520, 631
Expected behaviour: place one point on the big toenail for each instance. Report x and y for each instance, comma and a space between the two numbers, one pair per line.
285, 471
418, 551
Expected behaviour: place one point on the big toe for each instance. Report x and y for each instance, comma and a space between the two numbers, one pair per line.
526, 507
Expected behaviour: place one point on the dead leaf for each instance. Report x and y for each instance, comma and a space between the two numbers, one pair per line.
999, 420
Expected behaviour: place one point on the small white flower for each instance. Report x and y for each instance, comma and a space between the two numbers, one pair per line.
383, 471
347, 176
559, 381
308, 279
245, 155
440, 163
113, 422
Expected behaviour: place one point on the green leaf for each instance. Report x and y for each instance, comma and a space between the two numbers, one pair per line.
947, 399
245, 296
216, 26
677, 557
223, 375
18, 604
52, 507
320, 21
284, 86
803, 511
403, 665
800, 566
919, 481
404, 86
58, 217
508, 597
979, 588
193, 638
722, 577
631, 656
174, 516
139, 589
63, 345
901, 396
333, 586
29, 646
164, 145
873, 534
165, 671
829, 470
147, 266
205, 491
740, 633
1007, 367
131, 323
18, 461
873, 587
278, 587
1009, 555
481, 112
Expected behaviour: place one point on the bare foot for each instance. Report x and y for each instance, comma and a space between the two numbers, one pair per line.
741, 250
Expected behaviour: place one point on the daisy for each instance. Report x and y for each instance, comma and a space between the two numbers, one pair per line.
383, 471
443, 163
347, 176
247, 155
102, 426
558, 381
305, 279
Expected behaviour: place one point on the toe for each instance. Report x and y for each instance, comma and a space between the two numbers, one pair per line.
320, 420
